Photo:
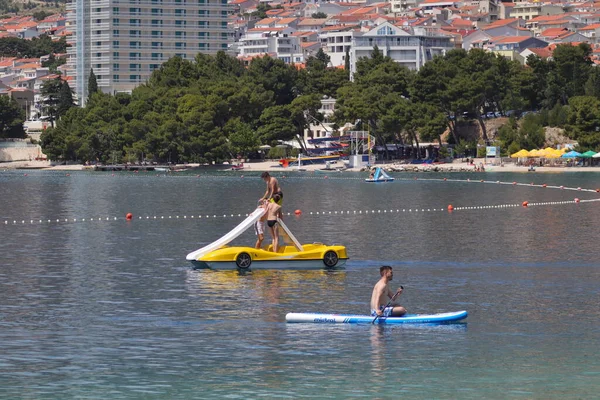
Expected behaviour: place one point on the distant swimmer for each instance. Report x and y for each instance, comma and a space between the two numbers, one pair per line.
274, 212
381, 293
273, 188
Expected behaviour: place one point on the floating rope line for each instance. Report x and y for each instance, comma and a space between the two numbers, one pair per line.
449, 208
415, 210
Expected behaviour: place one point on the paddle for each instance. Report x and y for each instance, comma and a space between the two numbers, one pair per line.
388, 304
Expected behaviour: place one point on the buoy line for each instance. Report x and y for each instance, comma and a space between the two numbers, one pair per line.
415, 210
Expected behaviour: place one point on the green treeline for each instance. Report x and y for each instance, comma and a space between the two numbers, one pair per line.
32, 48
214, 108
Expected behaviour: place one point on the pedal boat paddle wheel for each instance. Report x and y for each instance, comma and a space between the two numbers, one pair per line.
290, 255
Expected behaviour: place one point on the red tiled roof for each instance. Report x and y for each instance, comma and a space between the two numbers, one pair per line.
590, 27
500, 22
510, 39
308, 44
553, 32
544, 52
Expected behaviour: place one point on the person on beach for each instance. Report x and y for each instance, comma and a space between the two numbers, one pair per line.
273, 187
274, 212
382, 294
259, 226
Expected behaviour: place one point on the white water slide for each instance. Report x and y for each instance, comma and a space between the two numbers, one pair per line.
288, 237
234, 233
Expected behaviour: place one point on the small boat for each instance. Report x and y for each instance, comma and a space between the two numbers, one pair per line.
319, 318
291, 162
290, 255
380, 176
237, 167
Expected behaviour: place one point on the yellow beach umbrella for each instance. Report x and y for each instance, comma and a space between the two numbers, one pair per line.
553, 154
520, 154
536, 153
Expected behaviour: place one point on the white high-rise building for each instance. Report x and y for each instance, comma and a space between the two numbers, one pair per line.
123, 41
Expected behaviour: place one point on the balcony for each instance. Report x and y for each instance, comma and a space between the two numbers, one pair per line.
100, 15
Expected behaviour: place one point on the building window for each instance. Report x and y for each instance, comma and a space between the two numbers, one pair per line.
135, 67
134, 78
386, 30
116, 32
116, 78
115, 21
157, 56
154, 66
116, 9
135, 56
203, 24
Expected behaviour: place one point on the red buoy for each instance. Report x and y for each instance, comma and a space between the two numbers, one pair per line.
129, 216
298, 212
450, 207
525, 203
576, 200
514, 183
445, 179
544, 185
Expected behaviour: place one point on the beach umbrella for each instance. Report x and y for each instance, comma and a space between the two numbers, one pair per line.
520, 154
571, 154
553, 154
536, 153
597, 155
588, 154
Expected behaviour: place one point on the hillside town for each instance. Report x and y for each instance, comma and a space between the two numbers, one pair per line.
123, 42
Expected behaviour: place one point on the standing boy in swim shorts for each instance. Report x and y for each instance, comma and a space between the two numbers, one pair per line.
382, 294
274, 212
259, 226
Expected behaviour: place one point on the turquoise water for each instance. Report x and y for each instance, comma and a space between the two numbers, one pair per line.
111, 309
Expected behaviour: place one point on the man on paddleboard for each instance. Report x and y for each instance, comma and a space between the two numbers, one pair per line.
382, 295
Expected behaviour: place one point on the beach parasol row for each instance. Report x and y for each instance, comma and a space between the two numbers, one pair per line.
548, 152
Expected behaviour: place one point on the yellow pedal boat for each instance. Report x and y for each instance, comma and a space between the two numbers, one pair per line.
290, 255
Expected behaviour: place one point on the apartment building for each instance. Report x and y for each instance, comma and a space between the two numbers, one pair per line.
337, 43
412, 50
123, 41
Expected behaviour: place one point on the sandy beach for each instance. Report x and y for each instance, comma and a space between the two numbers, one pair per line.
273, 165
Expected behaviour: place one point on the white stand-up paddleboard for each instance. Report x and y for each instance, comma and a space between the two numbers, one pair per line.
319, 318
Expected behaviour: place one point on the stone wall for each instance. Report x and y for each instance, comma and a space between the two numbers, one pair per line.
29, 153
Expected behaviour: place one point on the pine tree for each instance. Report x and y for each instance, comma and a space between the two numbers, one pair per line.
347, 63
11, 118
65, 98
92, 84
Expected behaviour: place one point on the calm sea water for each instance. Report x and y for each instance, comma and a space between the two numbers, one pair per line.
111, 309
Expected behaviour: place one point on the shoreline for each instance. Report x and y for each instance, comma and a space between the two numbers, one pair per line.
274, 166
